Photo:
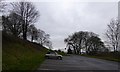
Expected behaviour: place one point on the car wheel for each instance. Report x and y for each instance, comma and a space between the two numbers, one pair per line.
60, 58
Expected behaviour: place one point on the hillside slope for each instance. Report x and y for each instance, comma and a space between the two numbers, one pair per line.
18, 54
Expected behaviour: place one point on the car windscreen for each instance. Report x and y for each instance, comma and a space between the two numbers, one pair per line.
48, 52
51, 53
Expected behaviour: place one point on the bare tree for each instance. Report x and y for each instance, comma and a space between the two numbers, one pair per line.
33, 32
41, 37
44, 39
95, 45
113, 34
48, 43
28, 13
2, 6
71, 43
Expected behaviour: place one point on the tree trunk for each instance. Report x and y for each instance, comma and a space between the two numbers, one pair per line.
24, 36
31, 38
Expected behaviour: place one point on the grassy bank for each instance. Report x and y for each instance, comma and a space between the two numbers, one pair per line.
106, 56
18, 54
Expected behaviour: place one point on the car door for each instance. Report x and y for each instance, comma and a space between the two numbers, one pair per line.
53, 55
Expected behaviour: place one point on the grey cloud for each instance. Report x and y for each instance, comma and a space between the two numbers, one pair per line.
62, 19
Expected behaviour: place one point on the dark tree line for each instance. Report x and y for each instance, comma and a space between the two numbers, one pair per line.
20, 23
12, 24
85, 41
91, 43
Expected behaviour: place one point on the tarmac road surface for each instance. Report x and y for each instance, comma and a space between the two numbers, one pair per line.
75, 63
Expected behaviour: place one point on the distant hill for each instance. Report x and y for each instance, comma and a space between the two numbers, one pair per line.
18, 54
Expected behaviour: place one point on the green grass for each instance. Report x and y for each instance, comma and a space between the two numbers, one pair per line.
18, 54
105, 56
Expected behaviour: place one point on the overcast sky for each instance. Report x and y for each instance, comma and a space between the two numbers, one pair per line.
60, 19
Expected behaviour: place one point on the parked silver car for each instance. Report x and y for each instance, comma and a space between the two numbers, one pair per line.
54, 55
